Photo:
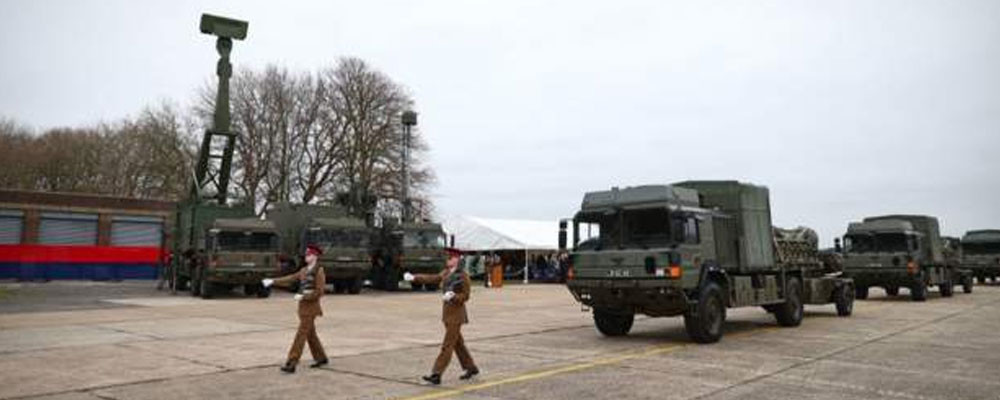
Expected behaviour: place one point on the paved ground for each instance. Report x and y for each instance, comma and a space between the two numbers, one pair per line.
532, 342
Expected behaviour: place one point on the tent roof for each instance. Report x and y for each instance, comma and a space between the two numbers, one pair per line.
476, 233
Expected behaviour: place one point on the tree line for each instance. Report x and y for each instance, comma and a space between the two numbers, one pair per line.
330, 136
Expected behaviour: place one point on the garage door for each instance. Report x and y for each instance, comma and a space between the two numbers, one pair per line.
68, 229
136, 231
11, 225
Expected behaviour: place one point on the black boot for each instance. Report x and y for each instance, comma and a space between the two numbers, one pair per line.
319, 363
288, 368
469, 373
434, 379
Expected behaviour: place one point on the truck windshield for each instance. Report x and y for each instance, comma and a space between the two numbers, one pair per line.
891, 242
641, 228
880, 242
423, 239
247, 241
981, 248
859, 243
338, 238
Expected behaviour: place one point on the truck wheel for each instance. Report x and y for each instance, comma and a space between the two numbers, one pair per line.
338, 287
892, 290
206, 289
845, 301
947, 288
918, 292
704, 323
861, 292
355, 286
180, 284
611, 323
251, 289
967, 284
432, 287
264, 293
790, 313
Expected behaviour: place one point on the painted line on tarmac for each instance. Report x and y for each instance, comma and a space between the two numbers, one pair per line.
545, 373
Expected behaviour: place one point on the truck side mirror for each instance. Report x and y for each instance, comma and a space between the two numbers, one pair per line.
562, 235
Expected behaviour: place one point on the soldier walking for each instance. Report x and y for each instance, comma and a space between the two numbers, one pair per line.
455, 284
312, 282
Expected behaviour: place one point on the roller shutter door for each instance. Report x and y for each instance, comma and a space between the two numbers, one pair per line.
74, 229
136, 231
11, 225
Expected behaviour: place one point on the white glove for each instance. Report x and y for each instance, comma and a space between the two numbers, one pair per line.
267, 282
448, 296
298, 297
408, 277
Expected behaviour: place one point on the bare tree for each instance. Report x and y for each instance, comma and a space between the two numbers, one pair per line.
370, 105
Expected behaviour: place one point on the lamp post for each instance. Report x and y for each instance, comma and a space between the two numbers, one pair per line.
409, 119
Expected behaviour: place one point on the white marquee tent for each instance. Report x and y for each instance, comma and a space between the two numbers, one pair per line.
484, 234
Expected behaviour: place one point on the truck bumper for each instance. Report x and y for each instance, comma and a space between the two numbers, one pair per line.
346, 271
881, 277
656, 298
238, 277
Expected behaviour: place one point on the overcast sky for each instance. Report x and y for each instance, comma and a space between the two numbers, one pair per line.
843, 108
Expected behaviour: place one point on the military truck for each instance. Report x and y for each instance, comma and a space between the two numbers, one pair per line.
694, 249
345, 241
981, 254
229, 252
894, 251
416, 247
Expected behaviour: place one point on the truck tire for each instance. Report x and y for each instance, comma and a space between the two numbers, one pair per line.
206, 288
861, 292
845, 301
892, 291
705, 323
947, 288
612, 323
967, 284
264, 293
918, 292
790, 313
180, 283
433, 287
355, 286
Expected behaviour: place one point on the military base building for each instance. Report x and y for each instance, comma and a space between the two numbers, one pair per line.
46, 236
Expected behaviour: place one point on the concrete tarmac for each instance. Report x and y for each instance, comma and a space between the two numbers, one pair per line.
531, 342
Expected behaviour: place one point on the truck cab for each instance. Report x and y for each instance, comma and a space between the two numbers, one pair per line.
981, 253
416, 247
345, 242
237, 252
897, 251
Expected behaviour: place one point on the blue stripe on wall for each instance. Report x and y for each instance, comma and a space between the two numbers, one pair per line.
79, 271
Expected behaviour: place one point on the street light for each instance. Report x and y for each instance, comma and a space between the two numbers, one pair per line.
409, 119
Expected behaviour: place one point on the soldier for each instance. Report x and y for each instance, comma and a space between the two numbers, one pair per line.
455, 284
312, 282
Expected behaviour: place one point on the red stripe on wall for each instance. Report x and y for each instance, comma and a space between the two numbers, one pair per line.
78, 254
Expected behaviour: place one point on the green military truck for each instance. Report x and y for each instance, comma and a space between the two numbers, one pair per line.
981, 253
345, 241
695, 249
895, 251
416, 247
222, 249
